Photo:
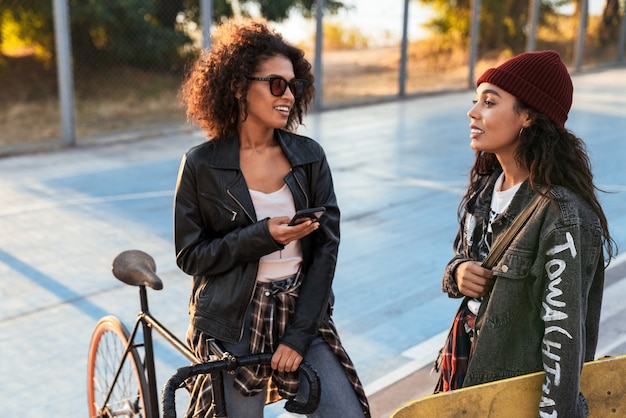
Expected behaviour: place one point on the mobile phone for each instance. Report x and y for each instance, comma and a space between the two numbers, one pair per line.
311, 213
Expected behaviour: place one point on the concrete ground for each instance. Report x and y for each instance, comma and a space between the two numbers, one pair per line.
399, 170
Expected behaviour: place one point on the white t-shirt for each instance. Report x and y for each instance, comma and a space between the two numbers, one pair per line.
282, 264
500, 200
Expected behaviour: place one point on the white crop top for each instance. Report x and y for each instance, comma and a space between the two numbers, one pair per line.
282, 264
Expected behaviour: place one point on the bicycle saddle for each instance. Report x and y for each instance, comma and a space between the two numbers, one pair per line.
136, 268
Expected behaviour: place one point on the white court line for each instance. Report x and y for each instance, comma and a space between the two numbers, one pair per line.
430, 184
422, 355
14, 210
613, 305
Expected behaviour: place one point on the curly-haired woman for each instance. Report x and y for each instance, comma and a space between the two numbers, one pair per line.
538, 309
259, 284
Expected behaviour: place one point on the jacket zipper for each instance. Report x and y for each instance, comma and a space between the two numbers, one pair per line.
240, 205
250, 217
247, 306
222, 205
306, 196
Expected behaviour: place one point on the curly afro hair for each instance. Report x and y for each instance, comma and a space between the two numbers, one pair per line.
238, 48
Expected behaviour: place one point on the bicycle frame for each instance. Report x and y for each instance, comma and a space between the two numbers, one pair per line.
148, 323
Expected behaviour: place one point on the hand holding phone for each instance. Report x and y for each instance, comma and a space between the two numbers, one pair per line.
312, 213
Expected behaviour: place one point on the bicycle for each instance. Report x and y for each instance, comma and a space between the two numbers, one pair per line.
122, 384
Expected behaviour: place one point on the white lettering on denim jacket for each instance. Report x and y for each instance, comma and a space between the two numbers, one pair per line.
552, 312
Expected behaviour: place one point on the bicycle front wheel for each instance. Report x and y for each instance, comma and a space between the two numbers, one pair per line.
106, 352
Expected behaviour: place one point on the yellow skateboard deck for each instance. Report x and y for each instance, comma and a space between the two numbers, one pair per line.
603, 382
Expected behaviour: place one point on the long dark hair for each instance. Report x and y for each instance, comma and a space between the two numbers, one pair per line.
553, 156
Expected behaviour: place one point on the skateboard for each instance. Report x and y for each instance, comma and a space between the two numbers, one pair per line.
603, 382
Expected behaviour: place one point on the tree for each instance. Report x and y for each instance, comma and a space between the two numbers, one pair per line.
150, 34
610, 23
28, 25
125, 32
502, 22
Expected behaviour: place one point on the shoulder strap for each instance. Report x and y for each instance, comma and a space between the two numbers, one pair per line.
498, 248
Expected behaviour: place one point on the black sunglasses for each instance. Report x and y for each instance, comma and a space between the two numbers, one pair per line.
278, 85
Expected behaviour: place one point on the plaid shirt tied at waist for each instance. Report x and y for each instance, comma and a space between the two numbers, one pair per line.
272, 305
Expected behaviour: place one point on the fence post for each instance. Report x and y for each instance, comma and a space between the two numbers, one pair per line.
622, 37
317, 70
404, 50
206, 19
65, 75
474, 35
582, 30
531, 28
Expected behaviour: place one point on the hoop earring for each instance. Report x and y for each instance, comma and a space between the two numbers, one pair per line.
520, 132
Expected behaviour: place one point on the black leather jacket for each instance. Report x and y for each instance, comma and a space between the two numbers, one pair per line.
219, 241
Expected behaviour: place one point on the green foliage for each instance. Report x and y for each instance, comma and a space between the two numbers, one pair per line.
27, 26
272, 10
502, 22
307, 7
275, 10
609, 23
135, 32
149, 34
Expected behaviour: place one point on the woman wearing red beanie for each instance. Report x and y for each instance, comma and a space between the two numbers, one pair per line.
538, 309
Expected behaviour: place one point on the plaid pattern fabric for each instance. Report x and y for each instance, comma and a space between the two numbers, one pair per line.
199, 387
457, 351
272, 305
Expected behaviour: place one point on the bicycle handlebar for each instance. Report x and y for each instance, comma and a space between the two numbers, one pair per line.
176, 381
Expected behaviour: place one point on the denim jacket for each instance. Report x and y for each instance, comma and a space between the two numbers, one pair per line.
543, 312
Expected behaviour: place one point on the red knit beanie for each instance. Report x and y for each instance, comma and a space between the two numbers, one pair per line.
539, 79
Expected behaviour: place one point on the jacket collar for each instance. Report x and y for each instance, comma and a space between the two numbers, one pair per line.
226, 153
522, 198
480, 203
298, 149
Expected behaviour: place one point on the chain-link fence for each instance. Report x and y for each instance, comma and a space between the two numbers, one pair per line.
440, 58
29, 109
128, 57
127, 65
